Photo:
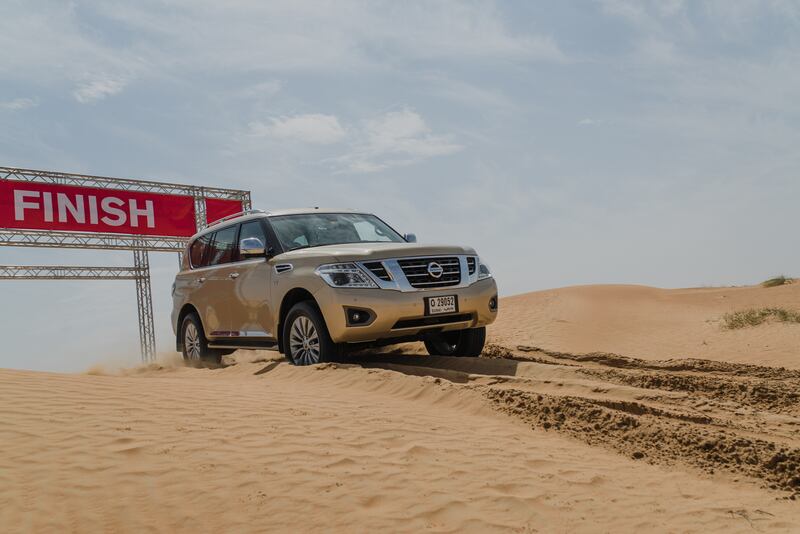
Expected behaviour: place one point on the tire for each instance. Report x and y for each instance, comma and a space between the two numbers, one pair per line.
306, 340
195, 345
467, 343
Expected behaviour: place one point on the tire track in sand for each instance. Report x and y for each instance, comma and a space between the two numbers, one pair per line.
738, 418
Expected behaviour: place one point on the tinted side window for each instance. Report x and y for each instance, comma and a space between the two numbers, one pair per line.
198, 251
252, 229
223, 246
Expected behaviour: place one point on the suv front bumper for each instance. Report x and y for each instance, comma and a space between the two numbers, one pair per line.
390, 307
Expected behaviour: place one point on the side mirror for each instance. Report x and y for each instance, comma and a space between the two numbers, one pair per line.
252, 247
411, 238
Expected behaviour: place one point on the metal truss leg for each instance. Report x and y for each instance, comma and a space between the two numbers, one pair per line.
144, 302
200, 216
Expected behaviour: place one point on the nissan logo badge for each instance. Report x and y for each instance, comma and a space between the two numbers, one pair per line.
435, 270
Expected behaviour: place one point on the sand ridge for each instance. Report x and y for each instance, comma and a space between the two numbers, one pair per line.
651, 323
531, 437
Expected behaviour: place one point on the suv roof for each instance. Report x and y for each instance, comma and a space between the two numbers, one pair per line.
300, 211
257, 214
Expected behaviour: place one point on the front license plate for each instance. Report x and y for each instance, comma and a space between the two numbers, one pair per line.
437, 305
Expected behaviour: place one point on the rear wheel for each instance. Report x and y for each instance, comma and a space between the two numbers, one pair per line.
195, 345
467, 342
306, 338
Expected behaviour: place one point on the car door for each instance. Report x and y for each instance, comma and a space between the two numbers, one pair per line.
193, 283
251, 314
218, 282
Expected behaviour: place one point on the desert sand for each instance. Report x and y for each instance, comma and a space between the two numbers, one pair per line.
594, 409
651, 323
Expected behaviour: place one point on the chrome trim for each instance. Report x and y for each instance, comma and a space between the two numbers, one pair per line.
399, 282
268, 345
251, 246
240, 334
254, 333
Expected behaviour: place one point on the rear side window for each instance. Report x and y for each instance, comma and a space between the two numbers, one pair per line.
198, 252
223, 246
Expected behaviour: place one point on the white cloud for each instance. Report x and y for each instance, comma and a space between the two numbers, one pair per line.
455, 30
314, 128
393, 139
261, 90
70, 58
633, 12
18, 104
205, 35
670, 8
97, 89
483, 96
658, 22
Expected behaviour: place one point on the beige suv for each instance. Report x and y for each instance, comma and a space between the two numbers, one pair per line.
317, 283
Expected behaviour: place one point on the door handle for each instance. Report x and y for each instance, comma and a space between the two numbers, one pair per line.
201, 280
233, 276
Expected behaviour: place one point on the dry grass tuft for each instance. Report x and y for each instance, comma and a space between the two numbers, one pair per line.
755, 317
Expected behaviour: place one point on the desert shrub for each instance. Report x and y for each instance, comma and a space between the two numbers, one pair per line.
754, 317
777, 281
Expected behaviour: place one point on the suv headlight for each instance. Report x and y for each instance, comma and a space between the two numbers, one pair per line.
483, 270
344, 275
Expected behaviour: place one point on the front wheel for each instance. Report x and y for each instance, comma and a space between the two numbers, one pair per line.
467, 342
195, 345
306, 338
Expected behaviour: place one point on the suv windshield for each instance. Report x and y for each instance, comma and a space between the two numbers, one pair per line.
317, 229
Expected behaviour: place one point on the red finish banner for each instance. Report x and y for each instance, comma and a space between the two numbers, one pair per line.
217, 208
38, 206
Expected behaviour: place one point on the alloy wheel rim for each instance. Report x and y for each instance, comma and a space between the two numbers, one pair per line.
304, 341
192, 342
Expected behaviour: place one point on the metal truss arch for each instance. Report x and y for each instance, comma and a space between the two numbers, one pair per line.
125, 184
87, 240
140, 245
68, 272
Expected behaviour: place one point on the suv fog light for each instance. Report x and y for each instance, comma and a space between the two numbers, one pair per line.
358, 316
493, 303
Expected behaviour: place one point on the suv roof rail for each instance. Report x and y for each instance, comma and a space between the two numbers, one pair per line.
235, 215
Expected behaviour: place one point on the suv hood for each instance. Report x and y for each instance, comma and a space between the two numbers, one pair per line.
375, 251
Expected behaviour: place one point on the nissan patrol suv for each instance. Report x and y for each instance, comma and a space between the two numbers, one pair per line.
316, 283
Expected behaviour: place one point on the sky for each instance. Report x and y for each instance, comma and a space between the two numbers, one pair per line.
574, 142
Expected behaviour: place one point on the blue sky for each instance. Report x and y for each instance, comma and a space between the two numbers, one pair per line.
569, 142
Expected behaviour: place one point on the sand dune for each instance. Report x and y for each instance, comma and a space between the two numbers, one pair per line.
652, 323
533, 440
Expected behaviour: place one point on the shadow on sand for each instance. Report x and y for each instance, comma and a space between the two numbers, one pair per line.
454, 369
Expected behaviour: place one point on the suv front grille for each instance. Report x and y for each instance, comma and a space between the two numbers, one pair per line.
416, 271
377, 268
